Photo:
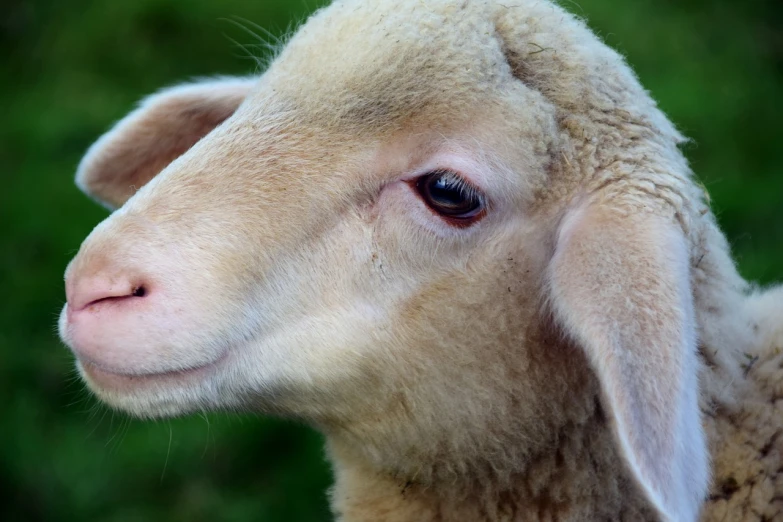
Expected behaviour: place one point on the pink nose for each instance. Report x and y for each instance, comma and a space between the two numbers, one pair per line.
87, 292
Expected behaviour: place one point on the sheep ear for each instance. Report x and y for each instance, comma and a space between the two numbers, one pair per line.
164, 126
620, 287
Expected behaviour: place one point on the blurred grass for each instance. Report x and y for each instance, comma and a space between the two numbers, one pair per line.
69, 69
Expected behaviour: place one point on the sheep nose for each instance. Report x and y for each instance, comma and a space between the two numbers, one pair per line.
95, 291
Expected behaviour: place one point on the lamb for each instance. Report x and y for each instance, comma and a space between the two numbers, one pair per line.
457, 237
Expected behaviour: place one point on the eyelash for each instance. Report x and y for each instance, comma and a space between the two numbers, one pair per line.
465, 188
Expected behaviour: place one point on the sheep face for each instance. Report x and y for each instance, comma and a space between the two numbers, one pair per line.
312, 260
369, 236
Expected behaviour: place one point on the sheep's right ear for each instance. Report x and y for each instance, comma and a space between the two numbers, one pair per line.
164, 127
620, 285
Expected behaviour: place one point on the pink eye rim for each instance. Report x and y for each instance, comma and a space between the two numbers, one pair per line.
450, 197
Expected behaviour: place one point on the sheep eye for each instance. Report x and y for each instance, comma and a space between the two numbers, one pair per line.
450, 196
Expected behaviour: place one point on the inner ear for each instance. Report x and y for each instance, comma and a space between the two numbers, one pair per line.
148, 139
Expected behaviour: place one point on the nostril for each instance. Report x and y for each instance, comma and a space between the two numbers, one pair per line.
98, 292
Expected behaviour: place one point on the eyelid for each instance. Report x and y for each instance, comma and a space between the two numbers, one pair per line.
440, 167
458, 160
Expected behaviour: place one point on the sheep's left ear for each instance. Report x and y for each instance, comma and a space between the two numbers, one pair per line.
620, 286
161, 129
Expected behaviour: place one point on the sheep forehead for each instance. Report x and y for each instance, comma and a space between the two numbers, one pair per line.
376, 63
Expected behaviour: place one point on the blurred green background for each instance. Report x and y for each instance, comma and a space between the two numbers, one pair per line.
68, 69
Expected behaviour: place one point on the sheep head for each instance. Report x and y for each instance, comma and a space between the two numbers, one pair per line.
424, 221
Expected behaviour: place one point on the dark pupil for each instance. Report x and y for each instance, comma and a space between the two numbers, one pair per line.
448, 197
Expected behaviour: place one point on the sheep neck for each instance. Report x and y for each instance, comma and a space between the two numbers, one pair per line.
556, 483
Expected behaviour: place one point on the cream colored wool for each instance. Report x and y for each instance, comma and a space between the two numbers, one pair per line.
562, 359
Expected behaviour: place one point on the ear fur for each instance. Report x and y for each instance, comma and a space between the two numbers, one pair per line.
164, 127
620, 286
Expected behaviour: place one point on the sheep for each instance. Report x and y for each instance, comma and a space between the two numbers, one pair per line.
458, 238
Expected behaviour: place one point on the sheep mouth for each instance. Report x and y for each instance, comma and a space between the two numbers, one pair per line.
102, 377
